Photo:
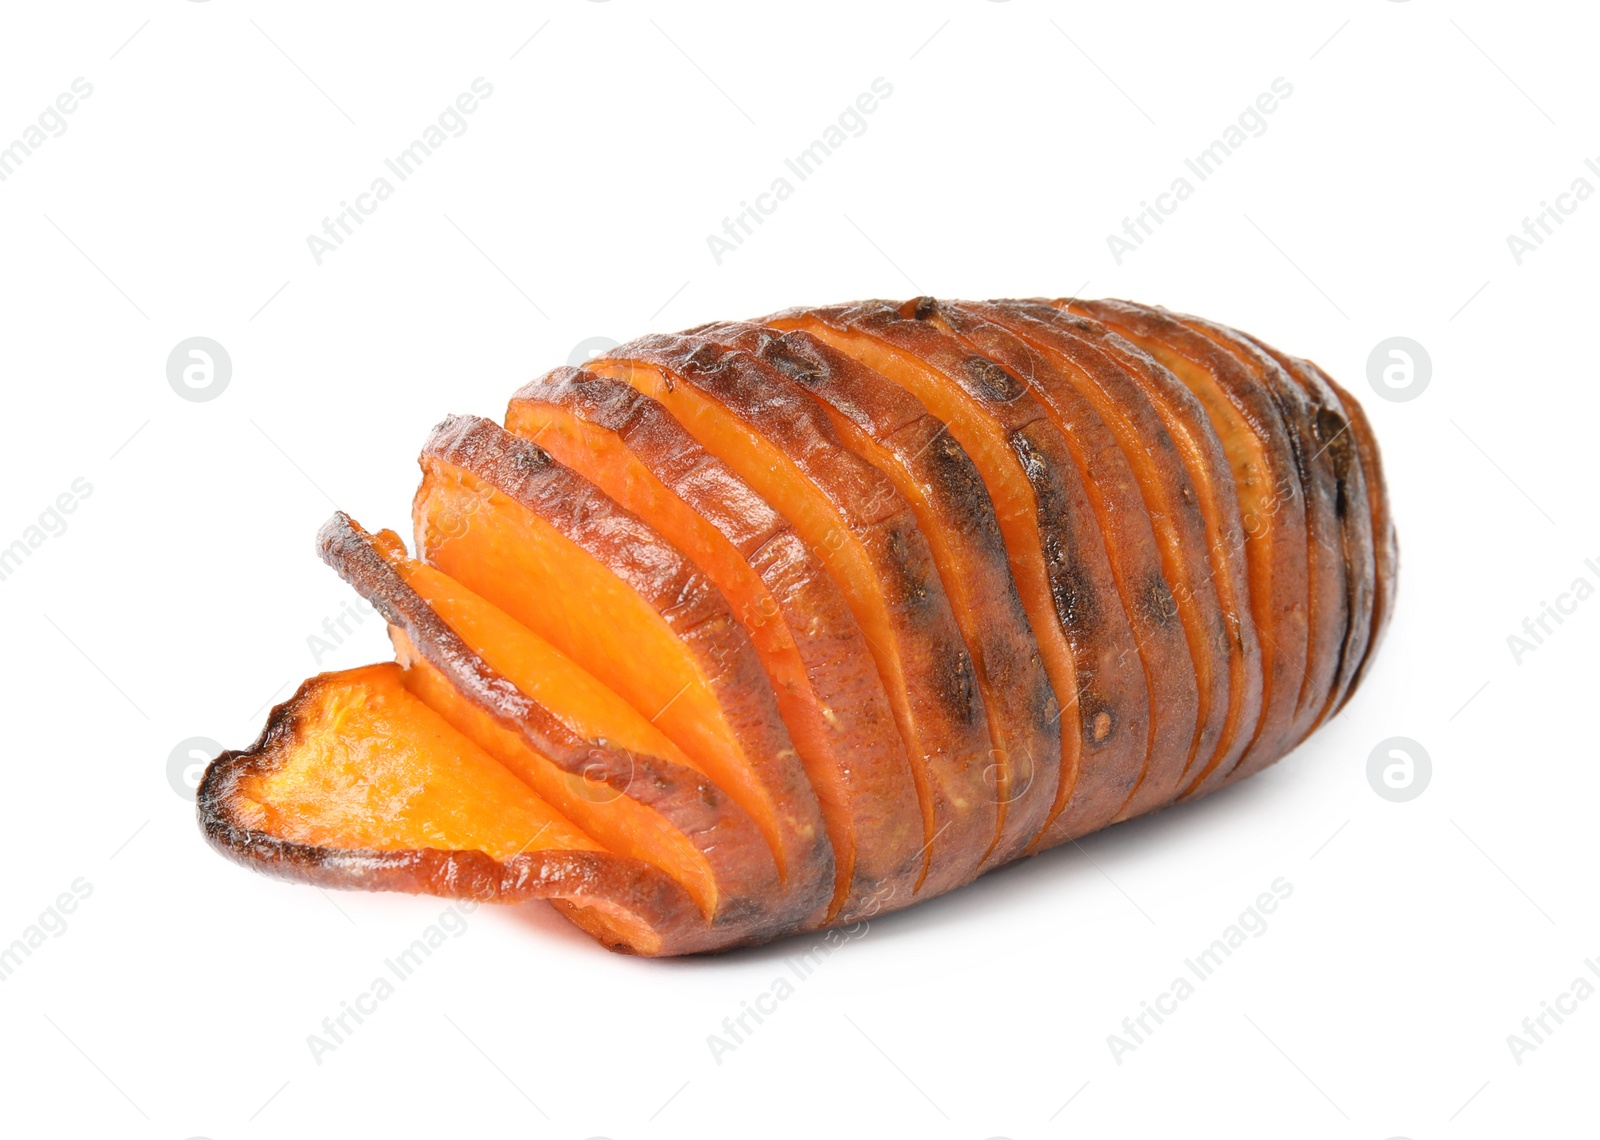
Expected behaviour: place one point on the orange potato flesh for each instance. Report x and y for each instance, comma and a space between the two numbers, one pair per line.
602, 457
525, 566
590, 709
823, 526
378, 769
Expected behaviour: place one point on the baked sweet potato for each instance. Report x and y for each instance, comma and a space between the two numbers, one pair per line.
772, 625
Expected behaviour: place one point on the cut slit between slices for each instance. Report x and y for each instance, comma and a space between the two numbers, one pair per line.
594, 799
496, 513
854, 521
894, 432
826, 686
1070, 600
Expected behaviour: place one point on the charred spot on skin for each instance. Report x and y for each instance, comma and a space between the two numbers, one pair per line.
529, 458
784, 355
951, 470
706, 357
906, 582
1159, 603
1333, 433
958, 684
996, 381
1070, 590
920, 308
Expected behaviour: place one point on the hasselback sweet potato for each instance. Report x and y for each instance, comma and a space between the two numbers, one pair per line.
775, 624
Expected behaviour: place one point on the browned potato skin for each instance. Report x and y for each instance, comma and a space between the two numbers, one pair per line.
1110, 691
1386, 547
947, 710
1261, 452
890, 429
877, 829
1221, 569
686, 601
1331, 587
1369, 563
1135, 498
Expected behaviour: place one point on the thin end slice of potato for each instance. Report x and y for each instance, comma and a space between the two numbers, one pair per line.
357, 784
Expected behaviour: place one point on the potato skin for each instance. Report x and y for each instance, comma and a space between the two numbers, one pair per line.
889, 428
1054, 545
1267, 466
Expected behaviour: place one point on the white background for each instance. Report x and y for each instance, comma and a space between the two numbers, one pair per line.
179, 600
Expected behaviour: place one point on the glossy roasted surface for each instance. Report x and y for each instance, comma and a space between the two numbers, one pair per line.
774, 624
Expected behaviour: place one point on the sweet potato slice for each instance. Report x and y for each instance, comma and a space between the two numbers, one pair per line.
1261, 453
1140, 494
819, 664
1331, 586
502, 517
1097, 395
1217, 567
889, 428
355, 783
570, 739
782, 444
1368, 562
1057, 551
1385, 545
